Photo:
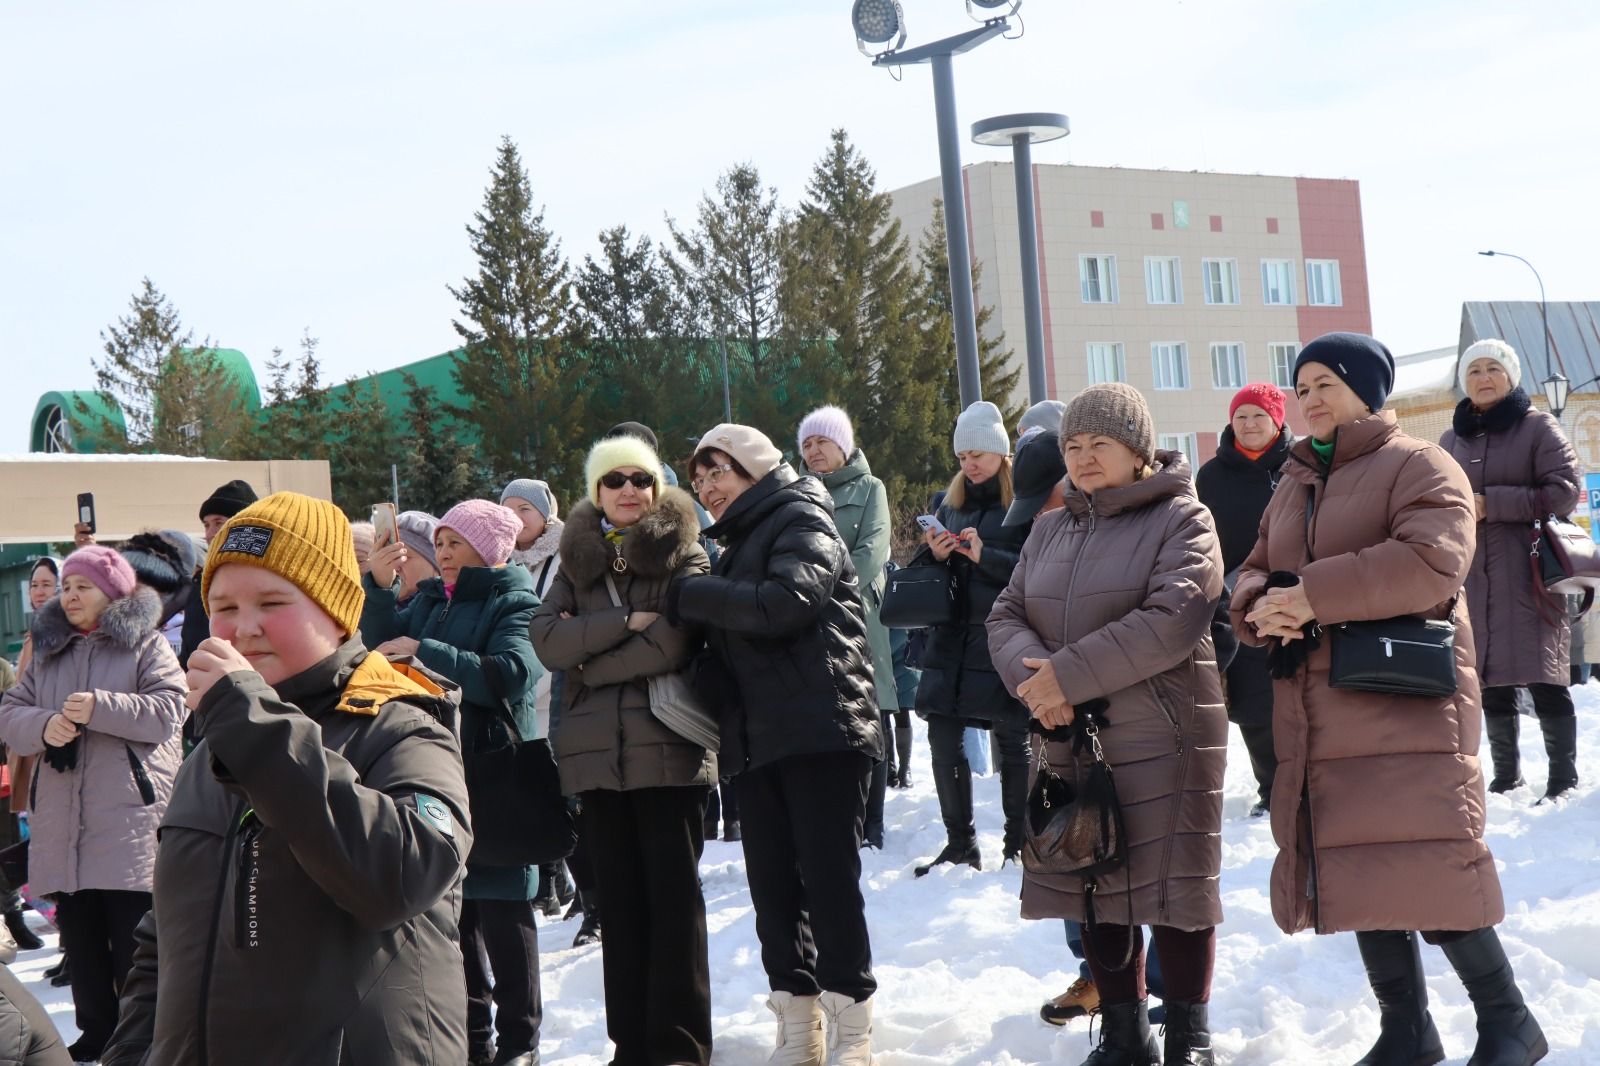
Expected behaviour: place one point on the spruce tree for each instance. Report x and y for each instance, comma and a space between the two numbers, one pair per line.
365, 443
297, 422
440, 469
520, 367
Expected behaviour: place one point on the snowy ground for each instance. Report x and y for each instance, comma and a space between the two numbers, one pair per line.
961, 976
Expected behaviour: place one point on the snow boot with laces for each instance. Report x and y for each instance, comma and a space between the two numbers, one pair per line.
1508, 1035
1125, 1037
1186, 1035
1406, 1033
800, 1038
849, 1029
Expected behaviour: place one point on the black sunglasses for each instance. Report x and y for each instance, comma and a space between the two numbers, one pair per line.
616, 479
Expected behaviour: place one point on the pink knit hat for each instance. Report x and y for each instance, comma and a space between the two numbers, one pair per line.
490, 529
108, 570
829, 423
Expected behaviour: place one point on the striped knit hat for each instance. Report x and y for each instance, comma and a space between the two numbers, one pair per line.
305, 541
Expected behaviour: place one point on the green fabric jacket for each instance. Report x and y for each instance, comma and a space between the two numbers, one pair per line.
483, 627
861, 513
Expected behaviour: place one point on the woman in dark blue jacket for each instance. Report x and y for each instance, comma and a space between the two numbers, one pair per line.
471, 625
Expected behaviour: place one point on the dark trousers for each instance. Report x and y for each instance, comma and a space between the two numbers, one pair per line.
1263, 758
723, 803
1187, 961
97, 932
879, 786
502, 933
1549, 701
802, 850
644, 847
1010, 736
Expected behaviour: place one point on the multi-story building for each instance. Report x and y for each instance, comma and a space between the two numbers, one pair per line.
1186, 285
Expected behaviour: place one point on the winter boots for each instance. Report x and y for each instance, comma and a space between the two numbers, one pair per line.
18, 927
902, 748
849, 1030
1507, 1032
1502, 730
1125, 1037
1014, 802
589, 931
1561, 744
1186, 1035
1406, 1034
555, 889
954, 784
1080, 999
800, 1041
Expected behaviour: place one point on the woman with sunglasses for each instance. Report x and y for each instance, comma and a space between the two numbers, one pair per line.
792, 678
471, 625
642, 788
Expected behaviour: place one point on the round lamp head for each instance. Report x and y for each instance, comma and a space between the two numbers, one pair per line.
992, 8
878, 21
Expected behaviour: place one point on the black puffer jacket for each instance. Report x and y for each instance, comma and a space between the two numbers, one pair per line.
791, 673
958, 678
1237, 489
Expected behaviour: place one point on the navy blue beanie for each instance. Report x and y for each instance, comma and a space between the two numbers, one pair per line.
1360, 361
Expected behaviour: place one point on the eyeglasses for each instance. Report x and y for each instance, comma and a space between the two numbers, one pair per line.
713, 475
616, 479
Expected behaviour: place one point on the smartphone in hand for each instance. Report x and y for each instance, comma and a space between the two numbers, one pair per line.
931, 524
86, 510
385, 525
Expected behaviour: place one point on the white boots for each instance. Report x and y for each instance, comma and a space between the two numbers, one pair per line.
799, 1030
800, 1037
849, 1030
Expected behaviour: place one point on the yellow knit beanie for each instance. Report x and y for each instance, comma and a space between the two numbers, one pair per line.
302, 539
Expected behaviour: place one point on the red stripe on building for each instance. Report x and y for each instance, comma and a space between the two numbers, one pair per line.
1330, 228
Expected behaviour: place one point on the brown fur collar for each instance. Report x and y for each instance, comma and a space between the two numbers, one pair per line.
654, 548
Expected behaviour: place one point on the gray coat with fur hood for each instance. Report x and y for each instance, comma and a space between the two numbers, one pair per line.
606, 737
94, 826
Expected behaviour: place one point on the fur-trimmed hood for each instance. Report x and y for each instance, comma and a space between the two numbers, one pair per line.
125, 622
653, 548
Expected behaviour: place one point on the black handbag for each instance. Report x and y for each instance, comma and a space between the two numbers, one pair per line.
519, 816
919, 596
1077, 829
1565, 561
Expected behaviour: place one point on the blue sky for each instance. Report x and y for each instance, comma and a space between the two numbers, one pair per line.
313, 165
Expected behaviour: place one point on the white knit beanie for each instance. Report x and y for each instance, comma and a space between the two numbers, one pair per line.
980, 428
612, 453
1489, 348
830, 423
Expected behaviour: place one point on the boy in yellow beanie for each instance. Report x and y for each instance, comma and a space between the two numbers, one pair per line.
308, 879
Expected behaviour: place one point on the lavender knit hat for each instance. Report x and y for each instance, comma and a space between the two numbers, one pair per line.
490, 528
416, 529
108, 570
830, 423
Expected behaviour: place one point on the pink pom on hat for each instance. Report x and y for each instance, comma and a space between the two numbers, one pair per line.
107, 569
490, 528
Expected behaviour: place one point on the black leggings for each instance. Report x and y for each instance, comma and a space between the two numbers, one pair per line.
1010, 737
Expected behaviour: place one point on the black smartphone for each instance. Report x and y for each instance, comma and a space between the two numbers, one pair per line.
86, 509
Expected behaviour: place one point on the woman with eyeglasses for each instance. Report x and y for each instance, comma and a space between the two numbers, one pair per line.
642, 788
791, 675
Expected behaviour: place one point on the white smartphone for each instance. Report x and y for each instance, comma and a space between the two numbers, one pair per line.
931, 524
385, 525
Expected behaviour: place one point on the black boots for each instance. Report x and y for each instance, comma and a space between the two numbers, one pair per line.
1186, 1035
589, 931
1502, 730
1125, 1037
902, 749
18, 925
1561, 744
1507, 1032
954, 783
1406, 1033
1014, 802
555, 889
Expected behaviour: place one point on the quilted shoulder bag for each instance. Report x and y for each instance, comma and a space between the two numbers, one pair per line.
674, 702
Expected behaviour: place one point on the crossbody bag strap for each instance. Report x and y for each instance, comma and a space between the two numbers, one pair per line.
502, 705
611, 588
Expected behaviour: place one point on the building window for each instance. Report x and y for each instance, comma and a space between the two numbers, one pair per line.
1281, 357
1221, 277
1106, 363
1180, 442
1277, 282
1097, 277
1227, 366
1163, 283
1171, 362
1322, 283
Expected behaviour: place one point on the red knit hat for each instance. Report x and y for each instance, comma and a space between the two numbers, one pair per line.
1269, 398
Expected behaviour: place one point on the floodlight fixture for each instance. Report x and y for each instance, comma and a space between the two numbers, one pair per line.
991, 9
877, 22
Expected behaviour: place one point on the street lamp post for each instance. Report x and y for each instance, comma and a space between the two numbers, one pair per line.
1544, 308
878, 22
1021, 132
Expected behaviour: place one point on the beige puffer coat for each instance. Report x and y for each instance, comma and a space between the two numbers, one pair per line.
1378, 806
1118, 591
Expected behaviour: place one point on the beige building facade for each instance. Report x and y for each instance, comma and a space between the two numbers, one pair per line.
1186, 285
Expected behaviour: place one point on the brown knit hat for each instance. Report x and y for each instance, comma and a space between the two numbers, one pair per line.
1114, 410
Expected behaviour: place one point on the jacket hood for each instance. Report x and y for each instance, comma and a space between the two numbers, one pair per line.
1468, 421
124, 622
779, 487
1352, 441
355, 681
663, 538
543, 547
855, 467
1171, 478
1229, 453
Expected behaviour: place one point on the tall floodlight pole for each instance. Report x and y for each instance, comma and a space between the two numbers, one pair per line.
878, 22
1021, 132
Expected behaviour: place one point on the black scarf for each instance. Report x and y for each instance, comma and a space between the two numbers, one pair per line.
1469, 421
